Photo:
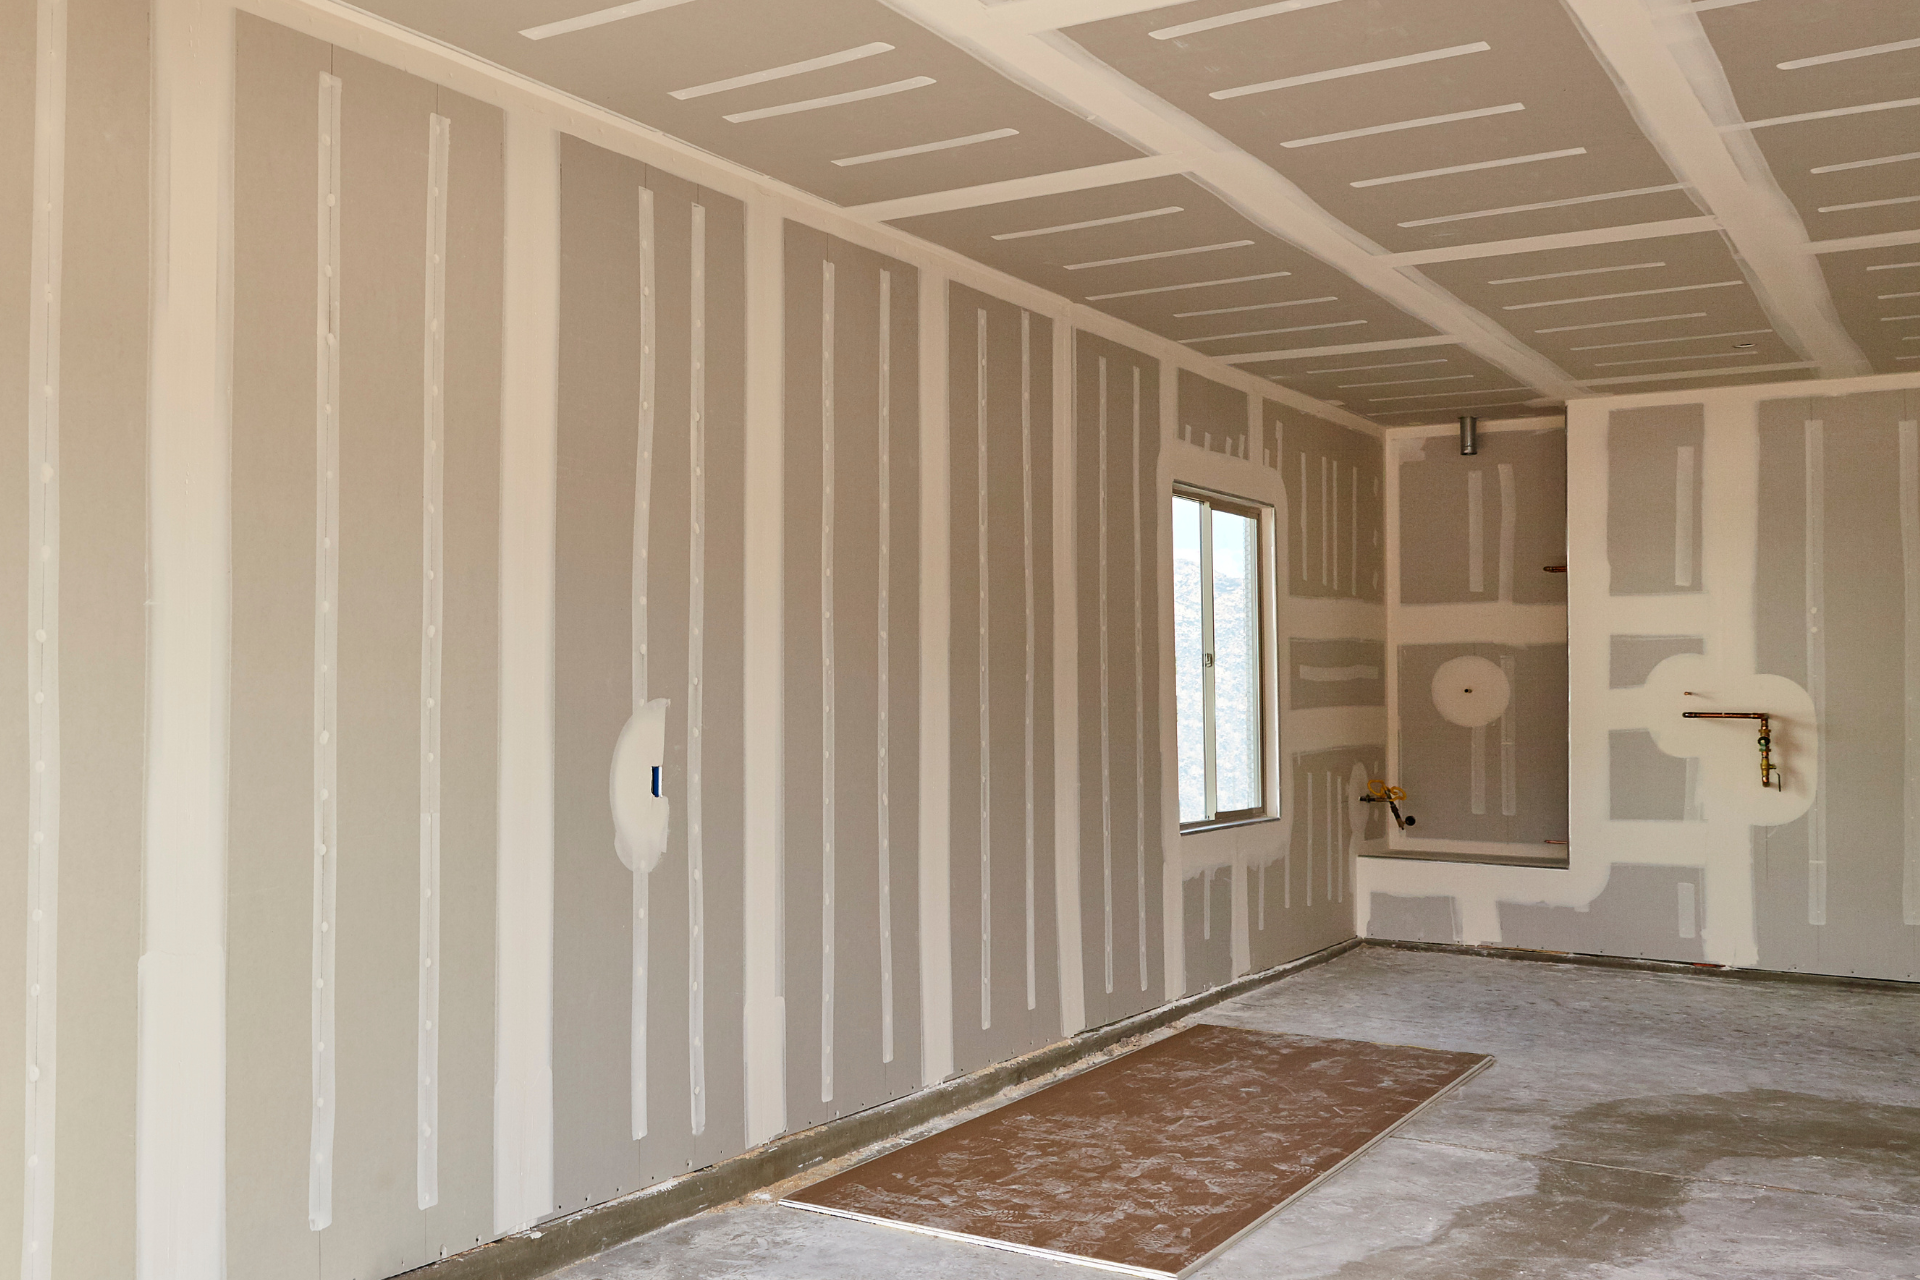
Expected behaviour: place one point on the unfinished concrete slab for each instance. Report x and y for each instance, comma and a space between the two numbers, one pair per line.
1635, 1125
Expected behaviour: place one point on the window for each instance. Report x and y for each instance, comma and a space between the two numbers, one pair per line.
1219, 565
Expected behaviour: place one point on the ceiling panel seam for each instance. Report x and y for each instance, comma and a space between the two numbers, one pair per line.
1672, 82
1051, 65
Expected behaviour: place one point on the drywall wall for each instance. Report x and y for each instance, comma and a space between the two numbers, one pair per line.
1729, 550
1477, 633
73, 397
1255, 894
497, 454
361, 785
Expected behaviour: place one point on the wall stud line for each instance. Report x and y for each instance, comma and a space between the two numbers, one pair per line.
642, 532
1106, 711
986, 780
696, 693
432, 623
885, 673
1334, 843
1026, 509
1308, 877
1326, 547
1476, 530
326, 652
1910, 560
1353, 530
828, 301
1509, 749
1303, 517
1140, 579
1509, 527
1816, 485
1683, 473
43, 640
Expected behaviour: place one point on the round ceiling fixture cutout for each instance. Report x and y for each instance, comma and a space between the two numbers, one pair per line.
1471, 691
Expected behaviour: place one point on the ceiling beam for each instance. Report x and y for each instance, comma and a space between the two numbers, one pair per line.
1043, 184
1052, 15
1673, 83
1343, 349
1561, 240
1056, 68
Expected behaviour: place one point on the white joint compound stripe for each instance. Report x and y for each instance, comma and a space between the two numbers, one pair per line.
1325, 542
1816, 539
1476, 531
1303, 517
980, 604
696, 692
1683, 550
326, 853
1330, 521
1026, 510
1509, 749
1307, 879
1478, 750
885, 673
432, 620
1106, 710
642, 523
1334, 843
828, 300
43, 640
1910, 562
1509, 525
1353, 530
1139, 695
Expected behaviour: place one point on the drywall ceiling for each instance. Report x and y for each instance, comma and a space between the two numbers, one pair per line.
1411, 208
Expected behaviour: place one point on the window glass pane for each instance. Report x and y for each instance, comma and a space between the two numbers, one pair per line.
1186, 660
1236, 662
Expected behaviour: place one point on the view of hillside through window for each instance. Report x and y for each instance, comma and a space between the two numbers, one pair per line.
1216, 644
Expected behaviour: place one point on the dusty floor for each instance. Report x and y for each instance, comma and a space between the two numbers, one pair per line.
1634, 1126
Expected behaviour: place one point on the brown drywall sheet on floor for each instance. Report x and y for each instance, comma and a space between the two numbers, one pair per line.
1207, 907
689, 584
1000, 407
1483, 527
1118, 514
100, 576
1232, 1123
377, 1222
1631, 659
1654, 482
1838, 890
1644, 783
17, 45
1408, 919
1648, 911
1505, 780
1336, 673
1302, 901
1335, 545
1212, 415
850, 966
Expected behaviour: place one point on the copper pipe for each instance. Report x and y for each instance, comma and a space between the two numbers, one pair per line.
1767, 771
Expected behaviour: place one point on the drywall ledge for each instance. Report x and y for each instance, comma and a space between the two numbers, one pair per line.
561, 1241
1677, 968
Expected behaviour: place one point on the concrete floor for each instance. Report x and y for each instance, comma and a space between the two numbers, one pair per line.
1635, 1127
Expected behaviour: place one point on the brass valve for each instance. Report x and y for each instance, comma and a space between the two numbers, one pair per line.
1769, 776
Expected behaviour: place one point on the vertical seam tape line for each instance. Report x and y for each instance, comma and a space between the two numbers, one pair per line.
827, 339
1816, 538
1509, 748
43, 639
1910, 560
1106, 711
1509, 525
986, 788
1026, 509
642, 528
432, 621
696, 693
326, 852
1137, 519
886, 676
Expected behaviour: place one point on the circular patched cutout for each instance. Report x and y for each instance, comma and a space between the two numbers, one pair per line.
1471, 691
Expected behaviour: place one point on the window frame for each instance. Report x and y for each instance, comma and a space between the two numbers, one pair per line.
1262, 515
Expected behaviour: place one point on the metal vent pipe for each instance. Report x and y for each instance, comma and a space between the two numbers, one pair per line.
1469, 434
